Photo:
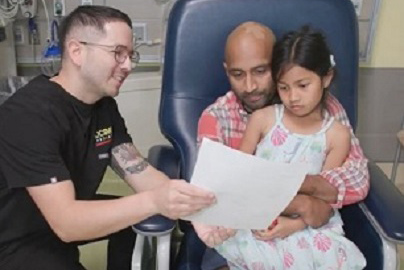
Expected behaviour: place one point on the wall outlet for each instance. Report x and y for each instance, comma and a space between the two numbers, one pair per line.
18, 35
59, 8
140, 31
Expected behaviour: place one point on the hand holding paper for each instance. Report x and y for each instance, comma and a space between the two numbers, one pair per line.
251, 192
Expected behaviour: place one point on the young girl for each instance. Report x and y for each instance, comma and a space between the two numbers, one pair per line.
299, 130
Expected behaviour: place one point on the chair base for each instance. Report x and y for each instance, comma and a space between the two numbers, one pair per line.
163, 249
391, 259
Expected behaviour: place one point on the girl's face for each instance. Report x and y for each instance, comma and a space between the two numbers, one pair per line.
301, 90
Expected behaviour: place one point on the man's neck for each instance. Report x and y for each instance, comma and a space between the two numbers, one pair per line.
75, 87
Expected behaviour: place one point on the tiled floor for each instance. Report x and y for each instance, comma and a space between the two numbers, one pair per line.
93, 256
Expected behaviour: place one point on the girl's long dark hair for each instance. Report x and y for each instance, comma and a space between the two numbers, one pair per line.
305, 48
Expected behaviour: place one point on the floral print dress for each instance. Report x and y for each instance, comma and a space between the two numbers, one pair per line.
322, 248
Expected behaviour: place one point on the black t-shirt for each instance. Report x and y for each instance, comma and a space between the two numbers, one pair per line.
47, 136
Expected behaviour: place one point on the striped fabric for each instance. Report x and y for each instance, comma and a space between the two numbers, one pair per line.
225, 121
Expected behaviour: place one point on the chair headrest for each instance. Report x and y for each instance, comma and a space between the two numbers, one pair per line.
193, 74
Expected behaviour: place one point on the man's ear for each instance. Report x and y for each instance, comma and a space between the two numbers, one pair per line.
225, 66
328, 78
75, 52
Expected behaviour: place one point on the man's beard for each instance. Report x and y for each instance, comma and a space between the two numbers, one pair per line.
269, 99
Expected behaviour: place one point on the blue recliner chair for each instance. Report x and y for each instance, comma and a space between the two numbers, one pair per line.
193, 77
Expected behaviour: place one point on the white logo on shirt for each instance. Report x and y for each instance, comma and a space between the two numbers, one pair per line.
103, 156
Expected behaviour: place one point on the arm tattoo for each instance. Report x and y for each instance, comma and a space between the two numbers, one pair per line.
127, 160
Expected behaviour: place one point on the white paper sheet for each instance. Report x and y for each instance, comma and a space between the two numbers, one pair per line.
251, 192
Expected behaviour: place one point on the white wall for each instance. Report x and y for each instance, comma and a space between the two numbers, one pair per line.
141, 11
138, 103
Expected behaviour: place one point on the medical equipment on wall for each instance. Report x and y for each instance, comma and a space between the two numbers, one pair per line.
148, 43
9, 9
51, 56
3, 35
142, 42
28, 8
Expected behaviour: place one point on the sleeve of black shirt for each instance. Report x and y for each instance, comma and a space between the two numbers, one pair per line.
29, 148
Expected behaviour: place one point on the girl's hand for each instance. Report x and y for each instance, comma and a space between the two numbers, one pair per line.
285, 226
212, 235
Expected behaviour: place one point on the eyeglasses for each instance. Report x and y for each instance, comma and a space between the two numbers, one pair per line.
121, 53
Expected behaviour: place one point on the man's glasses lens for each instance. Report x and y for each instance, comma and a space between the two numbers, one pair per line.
121, 54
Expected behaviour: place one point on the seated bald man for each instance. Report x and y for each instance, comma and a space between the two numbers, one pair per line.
247, 62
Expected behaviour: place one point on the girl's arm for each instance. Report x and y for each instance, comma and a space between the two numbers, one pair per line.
339, 141
257, 125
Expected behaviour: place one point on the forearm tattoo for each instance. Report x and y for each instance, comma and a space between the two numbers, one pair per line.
127, 160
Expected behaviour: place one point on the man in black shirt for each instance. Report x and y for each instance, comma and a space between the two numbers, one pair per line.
57, 137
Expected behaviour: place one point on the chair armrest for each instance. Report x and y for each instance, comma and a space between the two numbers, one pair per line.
154, 226
163, 158
384, 205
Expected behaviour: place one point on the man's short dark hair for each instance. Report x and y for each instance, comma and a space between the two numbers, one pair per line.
94, 16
